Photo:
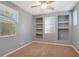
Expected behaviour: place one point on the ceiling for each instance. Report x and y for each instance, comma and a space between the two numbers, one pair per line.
4, 8
57, 5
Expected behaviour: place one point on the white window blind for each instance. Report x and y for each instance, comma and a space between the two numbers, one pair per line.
49, 24
8, 21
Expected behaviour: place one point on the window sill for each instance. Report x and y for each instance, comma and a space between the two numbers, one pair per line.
7, 36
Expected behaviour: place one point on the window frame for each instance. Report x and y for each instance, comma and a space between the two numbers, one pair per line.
13, 22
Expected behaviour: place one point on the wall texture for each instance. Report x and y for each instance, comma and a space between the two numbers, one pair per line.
24, 32
75, 31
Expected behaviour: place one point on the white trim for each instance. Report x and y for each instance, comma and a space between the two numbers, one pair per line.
16, 49
75, 49
53, 43
7, 35
40, 42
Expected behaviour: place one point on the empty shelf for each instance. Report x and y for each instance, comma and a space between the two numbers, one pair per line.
60, 22
63, 28
39, 23
39, 33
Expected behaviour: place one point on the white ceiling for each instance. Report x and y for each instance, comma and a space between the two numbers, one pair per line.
57, 5
4, 8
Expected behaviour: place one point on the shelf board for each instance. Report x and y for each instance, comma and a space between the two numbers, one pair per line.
39, 23
39, 33
39, 38
63, 28
60, 22
39, 28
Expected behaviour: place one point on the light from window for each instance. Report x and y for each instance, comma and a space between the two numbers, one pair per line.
8, 21
49, 24
75, 17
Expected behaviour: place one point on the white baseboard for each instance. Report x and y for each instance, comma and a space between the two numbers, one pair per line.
40, 42
16, 49
75, 49
53, 43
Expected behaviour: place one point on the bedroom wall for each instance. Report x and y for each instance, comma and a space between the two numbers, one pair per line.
75, 31
53, 37
24, 32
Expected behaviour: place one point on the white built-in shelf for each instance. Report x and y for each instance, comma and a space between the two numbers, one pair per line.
39, 28
63, 28
39, 23
39, 38
39, 33
60, 22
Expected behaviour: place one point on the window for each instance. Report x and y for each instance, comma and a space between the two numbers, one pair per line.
49, 24
75, 17
8, 21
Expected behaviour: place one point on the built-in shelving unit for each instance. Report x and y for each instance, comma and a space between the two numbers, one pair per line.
63, 27
39, 28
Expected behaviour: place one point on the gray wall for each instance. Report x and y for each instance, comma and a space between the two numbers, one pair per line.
75, 31
24, 31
